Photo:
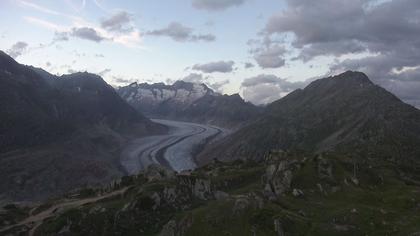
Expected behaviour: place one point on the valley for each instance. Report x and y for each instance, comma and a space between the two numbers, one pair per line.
174, 150
210, 117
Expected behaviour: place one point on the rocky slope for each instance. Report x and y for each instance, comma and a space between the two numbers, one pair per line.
189, 102
58, 133
286, 194
345, 113
225, 110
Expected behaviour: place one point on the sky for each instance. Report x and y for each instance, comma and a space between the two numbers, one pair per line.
261, 49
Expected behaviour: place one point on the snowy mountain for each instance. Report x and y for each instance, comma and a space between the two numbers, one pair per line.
150, 97
188, 101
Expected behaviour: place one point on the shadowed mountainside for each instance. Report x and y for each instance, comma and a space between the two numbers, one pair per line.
345, 113
58, 133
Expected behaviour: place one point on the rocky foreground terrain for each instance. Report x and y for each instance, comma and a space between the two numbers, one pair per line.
286, 194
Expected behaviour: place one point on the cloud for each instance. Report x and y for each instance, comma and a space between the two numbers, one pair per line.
45, 24
61, 36
218, 86
118, 28
271, 57
375, 37
268, 52
216, 5
17, 49
248, 65
181, 33
37, 7
72, 71
87, 33
119, 22
77, 6
200, 79
195, 78
104, 72
264, 89
43, 9
219, 66
121, 80
203, 37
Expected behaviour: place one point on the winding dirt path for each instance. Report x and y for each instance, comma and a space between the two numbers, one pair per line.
34, 221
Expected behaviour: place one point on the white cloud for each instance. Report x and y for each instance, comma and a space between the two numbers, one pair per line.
37, 7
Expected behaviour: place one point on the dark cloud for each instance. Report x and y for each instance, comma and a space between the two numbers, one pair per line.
264, 89
219, 66
17, 49
216, 5
268, 53
248, 65
87, 33
119, 22
271, 57
384, 33
181, 33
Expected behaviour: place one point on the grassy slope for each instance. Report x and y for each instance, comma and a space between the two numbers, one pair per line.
379, 202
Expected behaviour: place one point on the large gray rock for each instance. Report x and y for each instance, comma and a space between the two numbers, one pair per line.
157, 172
277, 179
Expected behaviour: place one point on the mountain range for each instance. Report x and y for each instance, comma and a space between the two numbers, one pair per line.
189, 102
339, 157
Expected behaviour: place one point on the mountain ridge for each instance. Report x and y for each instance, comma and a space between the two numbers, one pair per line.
58, 133
341, 112
186, 101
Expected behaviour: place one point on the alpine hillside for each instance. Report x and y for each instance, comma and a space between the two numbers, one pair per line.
58, 133
345, 113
